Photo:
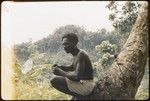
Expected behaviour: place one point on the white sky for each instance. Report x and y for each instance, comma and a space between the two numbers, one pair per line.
36, 20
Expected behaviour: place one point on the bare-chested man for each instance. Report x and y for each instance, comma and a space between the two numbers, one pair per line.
77, 79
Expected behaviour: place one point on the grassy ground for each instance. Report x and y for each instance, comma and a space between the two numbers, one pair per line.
27, 86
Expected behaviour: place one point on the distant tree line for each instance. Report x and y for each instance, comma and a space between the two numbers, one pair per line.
51, 45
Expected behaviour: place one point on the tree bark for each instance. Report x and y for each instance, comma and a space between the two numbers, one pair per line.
122, 79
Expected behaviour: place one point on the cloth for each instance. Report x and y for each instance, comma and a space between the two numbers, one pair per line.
84, 87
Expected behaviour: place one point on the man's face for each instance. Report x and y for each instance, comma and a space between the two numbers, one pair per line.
68, 46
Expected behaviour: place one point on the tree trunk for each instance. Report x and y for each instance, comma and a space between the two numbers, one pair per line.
122, 80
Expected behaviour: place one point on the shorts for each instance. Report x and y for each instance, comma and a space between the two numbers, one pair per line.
83, 87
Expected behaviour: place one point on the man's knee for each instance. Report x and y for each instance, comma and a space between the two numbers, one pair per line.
56, 81
53, 81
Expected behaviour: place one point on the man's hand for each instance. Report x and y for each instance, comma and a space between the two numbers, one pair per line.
55, 65
58, 71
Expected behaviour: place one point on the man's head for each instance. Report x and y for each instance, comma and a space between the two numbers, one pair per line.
70, 41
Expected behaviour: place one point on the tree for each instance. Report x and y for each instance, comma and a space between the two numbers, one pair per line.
123, 78
21, 52
124, 15
106, 53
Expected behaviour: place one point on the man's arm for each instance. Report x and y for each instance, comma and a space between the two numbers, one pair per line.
75, 75
66, 68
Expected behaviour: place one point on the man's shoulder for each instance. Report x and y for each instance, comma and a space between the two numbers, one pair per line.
83, 53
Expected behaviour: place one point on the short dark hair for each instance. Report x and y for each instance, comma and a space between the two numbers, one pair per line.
72, 37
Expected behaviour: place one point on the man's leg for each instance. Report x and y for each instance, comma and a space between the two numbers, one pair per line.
59, 83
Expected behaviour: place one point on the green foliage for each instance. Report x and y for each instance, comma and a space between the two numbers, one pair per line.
142, 95
21, 52
143, 90
52, 49
124, 15
57, 58
32, 49
35, 84
56, 95
106, 52
106, 47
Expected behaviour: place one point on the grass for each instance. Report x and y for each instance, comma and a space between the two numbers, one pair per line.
27, 87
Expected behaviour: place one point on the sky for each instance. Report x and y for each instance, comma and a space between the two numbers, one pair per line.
22, 21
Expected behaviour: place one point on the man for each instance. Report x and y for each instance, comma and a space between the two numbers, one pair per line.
77, 79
